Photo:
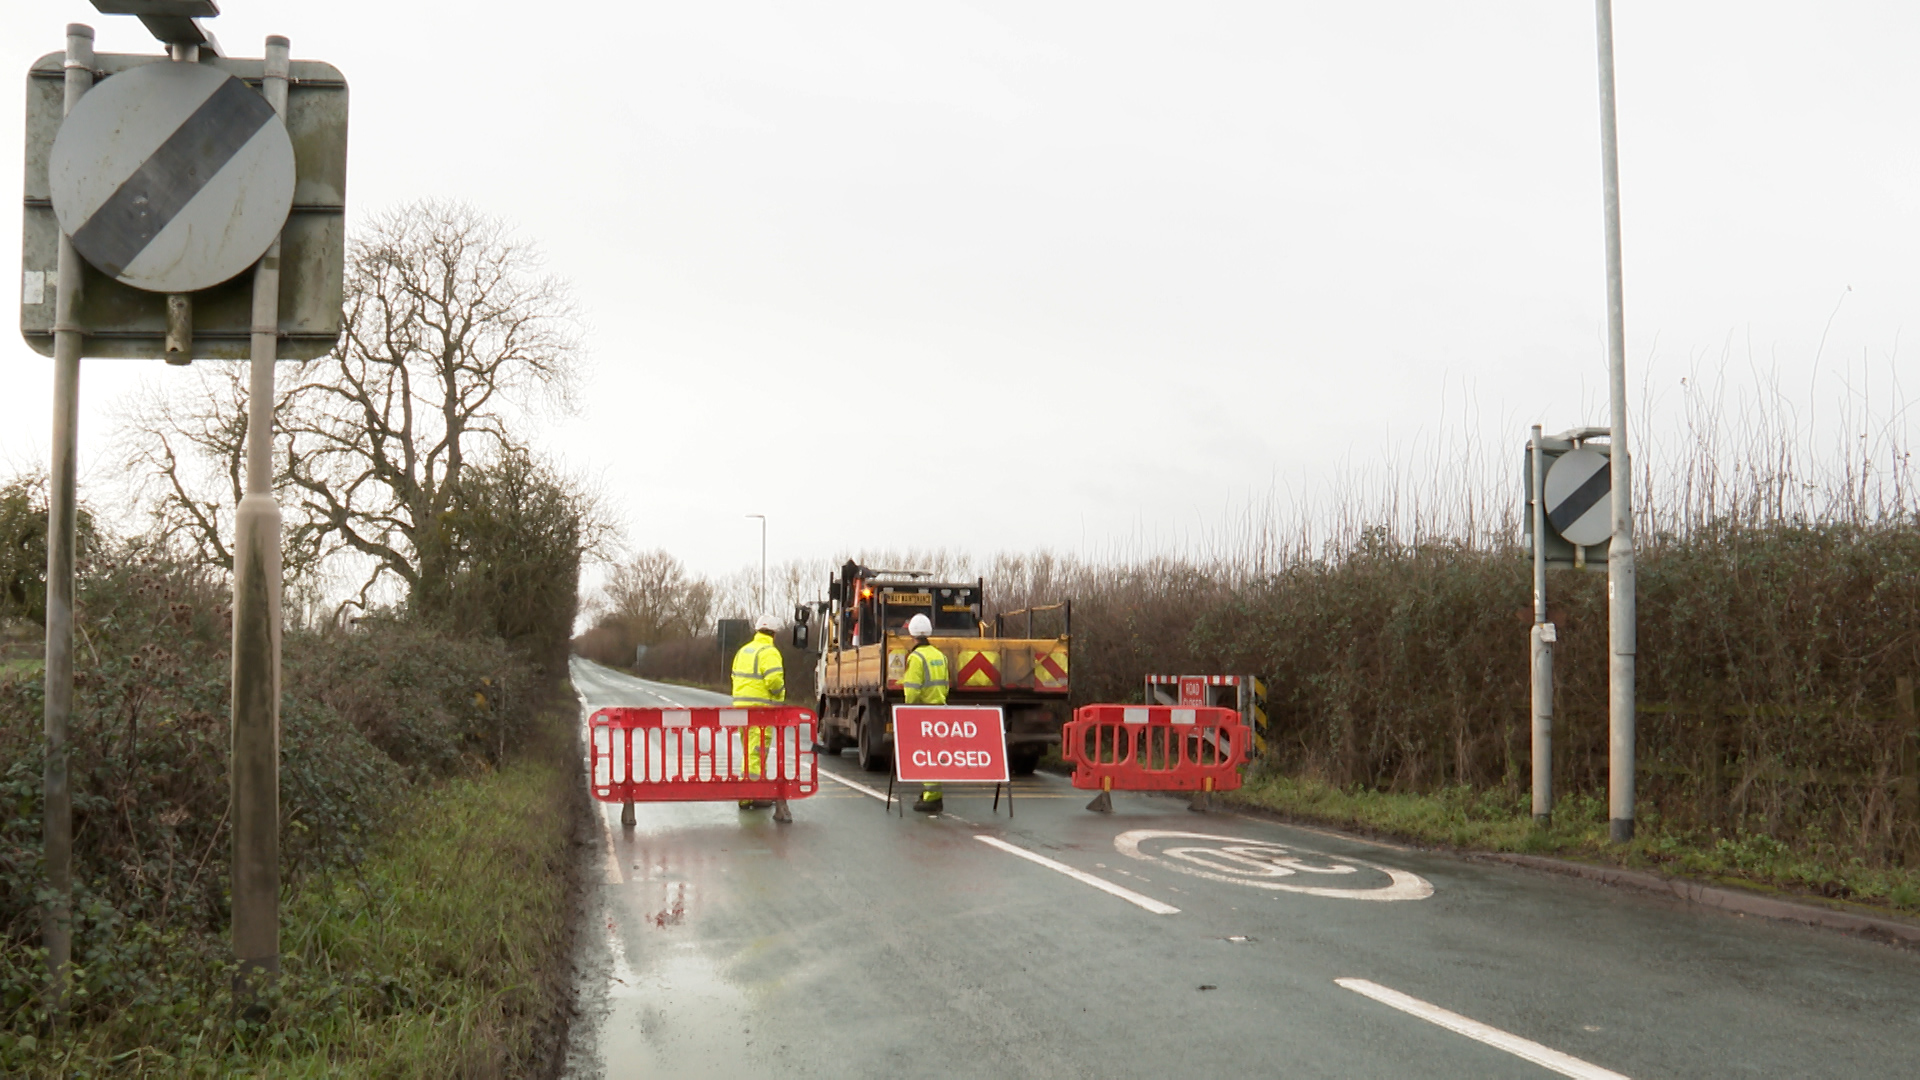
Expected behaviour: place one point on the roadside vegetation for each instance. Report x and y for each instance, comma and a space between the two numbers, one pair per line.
1499, 819
429, 775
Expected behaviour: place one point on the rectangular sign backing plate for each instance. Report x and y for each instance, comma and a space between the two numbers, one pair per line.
121, 321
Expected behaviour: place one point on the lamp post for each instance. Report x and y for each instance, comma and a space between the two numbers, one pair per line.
1621, 588
763, 562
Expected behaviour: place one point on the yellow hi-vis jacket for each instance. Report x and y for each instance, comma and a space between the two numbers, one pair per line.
758, 681
925, 680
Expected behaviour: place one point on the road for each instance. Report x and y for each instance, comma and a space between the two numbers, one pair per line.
1155, 942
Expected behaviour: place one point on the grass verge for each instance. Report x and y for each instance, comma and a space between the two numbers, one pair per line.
443, 954
1498, 820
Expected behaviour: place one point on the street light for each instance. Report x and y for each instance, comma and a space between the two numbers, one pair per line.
763, 562
1621, 588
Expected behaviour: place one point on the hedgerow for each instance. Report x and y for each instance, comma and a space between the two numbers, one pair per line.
369, 716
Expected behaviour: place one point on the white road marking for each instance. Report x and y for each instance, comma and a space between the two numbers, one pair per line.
859, 787
1082, 876
1543, 1056
1263, 864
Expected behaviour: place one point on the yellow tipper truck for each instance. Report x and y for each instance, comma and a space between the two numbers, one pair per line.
865, 653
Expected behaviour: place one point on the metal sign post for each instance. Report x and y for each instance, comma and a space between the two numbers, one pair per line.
1541, 639
255, 771
1621, 586
62, 510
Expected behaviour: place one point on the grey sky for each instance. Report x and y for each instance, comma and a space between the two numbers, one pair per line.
1079, 275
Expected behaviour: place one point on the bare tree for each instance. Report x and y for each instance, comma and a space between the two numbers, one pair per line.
184, 453
455, 336
653, 599
452, 332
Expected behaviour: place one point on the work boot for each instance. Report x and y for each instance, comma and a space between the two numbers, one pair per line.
929, 806
758, 804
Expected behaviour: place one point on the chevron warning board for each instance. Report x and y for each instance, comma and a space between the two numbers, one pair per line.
172, 177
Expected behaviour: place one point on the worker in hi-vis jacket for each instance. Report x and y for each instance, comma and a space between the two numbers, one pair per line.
759, 682
925, 682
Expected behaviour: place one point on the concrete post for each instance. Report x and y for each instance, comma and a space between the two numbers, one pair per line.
56, 926
1541, 639
255, 775
1621, 587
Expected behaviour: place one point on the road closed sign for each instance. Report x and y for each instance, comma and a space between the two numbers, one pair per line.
949, 744
1193, 690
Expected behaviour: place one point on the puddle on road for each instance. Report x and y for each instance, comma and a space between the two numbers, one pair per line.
667, 1009
677, 1017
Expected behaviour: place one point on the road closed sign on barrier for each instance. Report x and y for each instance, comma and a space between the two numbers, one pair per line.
949, 744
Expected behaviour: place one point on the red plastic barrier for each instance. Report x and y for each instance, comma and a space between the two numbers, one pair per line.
699, 755
1155, 748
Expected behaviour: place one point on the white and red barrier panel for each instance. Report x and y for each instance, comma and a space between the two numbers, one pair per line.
700, 755
1155, 748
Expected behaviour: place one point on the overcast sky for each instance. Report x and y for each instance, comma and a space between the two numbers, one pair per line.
1078, 275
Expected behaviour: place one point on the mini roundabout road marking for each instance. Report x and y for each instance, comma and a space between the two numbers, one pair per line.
1261, 864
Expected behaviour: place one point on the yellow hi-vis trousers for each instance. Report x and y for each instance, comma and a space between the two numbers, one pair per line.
756, 740
930, 793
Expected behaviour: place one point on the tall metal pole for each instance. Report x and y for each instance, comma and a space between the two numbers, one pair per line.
56, 926
1541, 638
255, 775
1621, 587
763, 561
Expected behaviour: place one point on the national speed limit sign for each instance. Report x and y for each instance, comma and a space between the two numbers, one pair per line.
172, 177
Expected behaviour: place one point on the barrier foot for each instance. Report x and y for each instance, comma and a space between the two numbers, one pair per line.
780, 812
1102, 803
1201, 803
626, 814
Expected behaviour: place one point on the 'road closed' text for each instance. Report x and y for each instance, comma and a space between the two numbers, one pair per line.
963, 759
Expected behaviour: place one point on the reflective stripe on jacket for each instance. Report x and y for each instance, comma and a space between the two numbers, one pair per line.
758, 681
925, 680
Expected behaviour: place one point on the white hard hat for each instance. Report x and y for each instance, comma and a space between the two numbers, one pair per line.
767, 623
919, 626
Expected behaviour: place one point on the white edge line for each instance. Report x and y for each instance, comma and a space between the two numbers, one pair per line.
1545, 1057
1082, 876
861, 788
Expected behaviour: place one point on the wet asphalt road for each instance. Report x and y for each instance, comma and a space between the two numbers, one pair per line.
854, 943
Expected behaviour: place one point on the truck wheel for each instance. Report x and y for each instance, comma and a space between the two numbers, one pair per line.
1023, 761
823, 731
872, 758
